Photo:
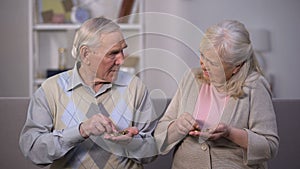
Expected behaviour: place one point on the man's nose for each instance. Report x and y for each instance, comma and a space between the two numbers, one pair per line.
120, 58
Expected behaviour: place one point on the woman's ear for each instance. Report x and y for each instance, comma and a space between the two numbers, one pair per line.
237, 68
84, 54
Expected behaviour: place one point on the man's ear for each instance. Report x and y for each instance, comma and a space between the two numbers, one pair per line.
84, 54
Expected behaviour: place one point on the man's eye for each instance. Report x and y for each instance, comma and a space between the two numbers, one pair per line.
114, 53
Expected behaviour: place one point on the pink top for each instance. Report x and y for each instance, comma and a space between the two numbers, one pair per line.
209, 107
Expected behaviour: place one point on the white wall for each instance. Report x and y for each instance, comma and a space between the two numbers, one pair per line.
14, 64
279, 18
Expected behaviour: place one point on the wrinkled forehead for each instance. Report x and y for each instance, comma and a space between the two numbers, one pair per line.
211, 55
111, 39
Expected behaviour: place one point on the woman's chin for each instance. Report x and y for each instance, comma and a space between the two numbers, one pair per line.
206, 77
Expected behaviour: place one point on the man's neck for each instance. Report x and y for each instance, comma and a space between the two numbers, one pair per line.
89, 80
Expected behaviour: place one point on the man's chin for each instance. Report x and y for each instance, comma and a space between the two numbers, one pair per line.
113, 76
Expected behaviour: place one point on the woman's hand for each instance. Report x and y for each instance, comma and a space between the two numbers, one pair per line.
185, 123
222, 130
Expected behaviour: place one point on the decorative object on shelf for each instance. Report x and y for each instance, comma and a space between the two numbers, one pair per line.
54, 11
125, 11
62, 58
58, 18
106, 8
68, 4
47, 16
79, 14
134, 11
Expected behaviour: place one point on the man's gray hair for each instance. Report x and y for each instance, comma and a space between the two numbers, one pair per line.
89, 34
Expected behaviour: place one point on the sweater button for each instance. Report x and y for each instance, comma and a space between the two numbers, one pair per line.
204, 147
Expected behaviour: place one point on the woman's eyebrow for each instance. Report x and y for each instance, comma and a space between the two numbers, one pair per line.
205, 58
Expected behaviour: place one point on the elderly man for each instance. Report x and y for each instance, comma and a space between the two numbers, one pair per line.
93, 116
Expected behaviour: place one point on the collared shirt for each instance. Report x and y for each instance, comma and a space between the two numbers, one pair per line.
51, 131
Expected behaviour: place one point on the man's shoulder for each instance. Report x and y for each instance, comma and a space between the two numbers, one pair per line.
58, 79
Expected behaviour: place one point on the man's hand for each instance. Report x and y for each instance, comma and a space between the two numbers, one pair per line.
122, 137
96, 125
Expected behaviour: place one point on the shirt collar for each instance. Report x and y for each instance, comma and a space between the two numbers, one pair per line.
123, 79
75, 78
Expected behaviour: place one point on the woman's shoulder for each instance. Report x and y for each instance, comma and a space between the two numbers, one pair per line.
255, 80
191, 78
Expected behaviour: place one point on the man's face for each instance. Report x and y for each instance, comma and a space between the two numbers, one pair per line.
107, 59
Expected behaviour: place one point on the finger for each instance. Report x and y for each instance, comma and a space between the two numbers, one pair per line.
118, 139
205, 135
132, 131
187, 121
106, 123
215, 136
189, 118
185, 126
196, 126
219, 129
108, 127
100, 129
195, 133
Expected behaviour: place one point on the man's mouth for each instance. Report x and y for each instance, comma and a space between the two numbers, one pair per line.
115, 69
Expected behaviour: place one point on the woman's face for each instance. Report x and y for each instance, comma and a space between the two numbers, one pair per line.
214, 69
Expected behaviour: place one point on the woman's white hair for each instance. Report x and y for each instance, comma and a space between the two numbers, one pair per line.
89, 34
230, 40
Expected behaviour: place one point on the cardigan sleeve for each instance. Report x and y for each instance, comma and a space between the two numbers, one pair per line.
175, 108
263, 139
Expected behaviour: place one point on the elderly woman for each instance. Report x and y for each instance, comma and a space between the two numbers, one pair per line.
222, 114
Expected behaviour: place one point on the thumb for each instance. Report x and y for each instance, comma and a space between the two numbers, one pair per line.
133, 130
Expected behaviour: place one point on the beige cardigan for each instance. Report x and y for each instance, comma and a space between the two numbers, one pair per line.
254, 113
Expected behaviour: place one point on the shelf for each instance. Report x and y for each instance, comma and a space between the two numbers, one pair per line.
70, 26
56, 26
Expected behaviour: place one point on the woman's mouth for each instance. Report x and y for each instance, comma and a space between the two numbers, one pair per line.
205, 73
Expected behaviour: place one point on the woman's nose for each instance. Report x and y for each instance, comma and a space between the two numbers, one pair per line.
201, 63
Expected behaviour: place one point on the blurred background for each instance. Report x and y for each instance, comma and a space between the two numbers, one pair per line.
163, 38
172, 32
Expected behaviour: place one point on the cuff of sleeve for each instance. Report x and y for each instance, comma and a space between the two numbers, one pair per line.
135, 143
72, 135
141, 149
257, 150
162, 135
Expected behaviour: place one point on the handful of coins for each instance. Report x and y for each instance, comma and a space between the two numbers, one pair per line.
120, 133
